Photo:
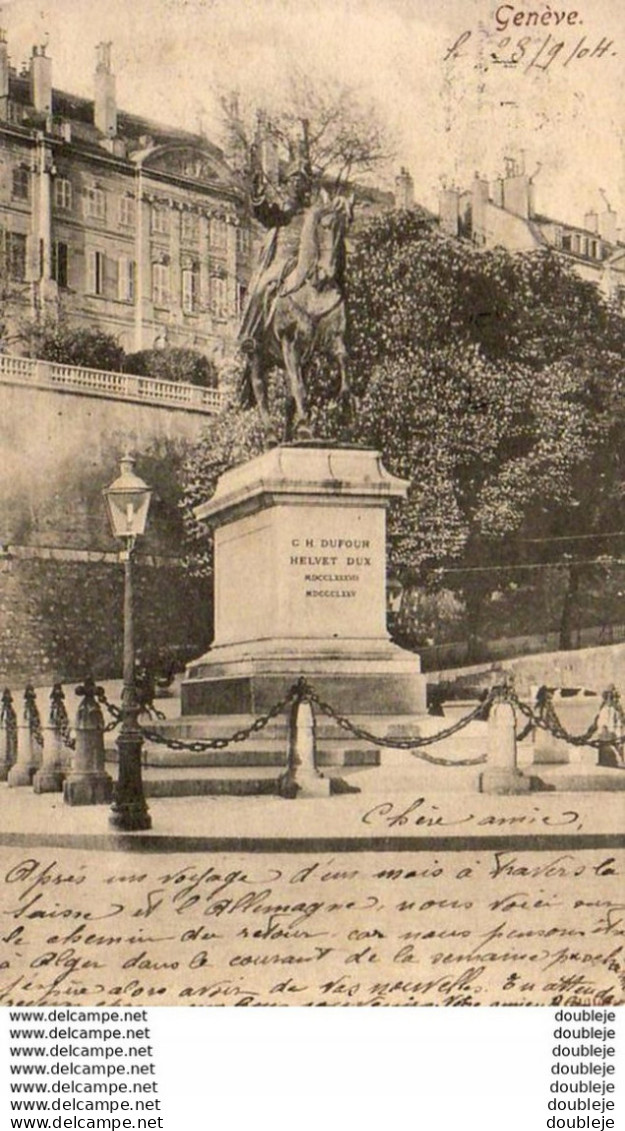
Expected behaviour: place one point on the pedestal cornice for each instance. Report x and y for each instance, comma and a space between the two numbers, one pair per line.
302, 474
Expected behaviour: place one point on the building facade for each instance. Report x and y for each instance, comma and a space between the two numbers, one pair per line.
503, 213
113, 220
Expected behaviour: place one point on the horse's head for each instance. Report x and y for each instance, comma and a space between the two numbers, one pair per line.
334, 215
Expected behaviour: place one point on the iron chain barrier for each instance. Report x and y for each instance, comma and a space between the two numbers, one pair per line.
59, 719
542, 716
113, 711
198, 746
546, 718
411, 744
302, 691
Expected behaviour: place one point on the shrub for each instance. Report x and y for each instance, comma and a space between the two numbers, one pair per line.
174, 364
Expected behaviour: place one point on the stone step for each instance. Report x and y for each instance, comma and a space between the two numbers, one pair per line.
190, 783
241, 757
575, 778
335, 746
232, 782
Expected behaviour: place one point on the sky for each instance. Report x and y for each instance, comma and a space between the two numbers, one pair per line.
453, 109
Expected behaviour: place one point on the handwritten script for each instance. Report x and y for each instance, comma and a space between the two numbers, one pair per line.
361, 928
529, 39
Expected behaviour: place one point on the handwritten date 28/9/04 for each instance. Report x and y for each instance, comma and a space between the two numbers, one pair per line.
530, 51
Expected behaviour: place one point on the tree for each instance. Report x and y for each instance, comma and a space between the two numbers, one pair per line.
14, 290
344, 136
490, 381
229, 439
493, 383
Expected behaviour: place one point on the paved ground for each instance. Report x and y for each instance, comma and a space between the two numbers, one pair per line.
29, 818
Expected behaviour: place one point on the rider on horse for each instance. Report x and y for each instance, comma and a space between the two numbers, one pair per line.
279, 254
296, 301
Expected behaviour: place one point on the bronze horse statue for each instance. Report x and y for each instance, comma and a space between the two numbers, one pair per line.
303, 309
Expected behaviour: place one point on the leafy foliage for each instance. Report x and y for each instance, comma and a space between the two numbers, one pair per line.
230, 439
57, 340
174, 364
493, 383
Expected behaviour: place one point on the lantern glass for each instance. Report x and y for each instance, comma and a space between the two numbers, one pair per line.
128, 501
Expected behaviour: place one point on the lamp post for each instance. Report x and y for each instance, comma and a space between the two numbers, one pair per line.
128, 501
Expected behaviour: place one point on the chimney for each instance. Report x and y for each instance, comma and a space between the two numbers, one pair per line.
404, 189
4, 66
449, 211
105, 105
516, 195
607, 225
591, 221
497, 191
41, 80
479, 204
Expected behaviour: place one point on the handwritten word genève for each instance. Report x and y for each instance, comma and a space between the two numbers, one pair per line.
535, 39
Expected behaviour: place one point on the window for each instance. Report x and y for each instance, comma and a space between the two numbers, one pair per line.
190, 288
160, 219
218, 234
60, 258
21, 183
63, 193
96, 203
160, 284
96, 272
126, 280
16, 112
127, 211
243, 241
566, 243
241, 298
16, 256
219, 297
189, 228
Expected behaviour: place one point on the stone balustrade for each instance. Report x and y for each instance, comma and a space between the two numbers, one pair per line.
114, 386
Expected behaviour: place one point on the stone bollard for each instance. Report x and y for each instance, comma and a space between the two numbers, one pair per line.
8, 734
87, 782
548, 750
302, 778
502, 774
49, 778
610, 752
29, 743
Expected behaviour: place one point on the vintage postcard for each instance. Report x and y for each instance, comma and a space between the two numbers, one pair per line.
312, 562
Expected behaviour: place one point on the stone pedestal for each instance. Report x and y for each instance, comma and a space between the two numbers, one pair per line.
302, 778
87, 782
300, 587
28, 757
502, 774
49, 777
8, 747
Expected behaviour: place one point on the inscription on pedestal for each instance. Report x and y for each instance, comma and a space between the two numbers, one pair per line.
331, 568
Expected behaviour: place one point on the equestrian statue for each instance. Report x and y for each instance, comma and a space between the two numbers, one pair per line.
296, 299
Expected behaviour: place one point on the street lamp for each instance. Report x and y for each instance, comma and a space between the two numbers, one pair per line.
128, 501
